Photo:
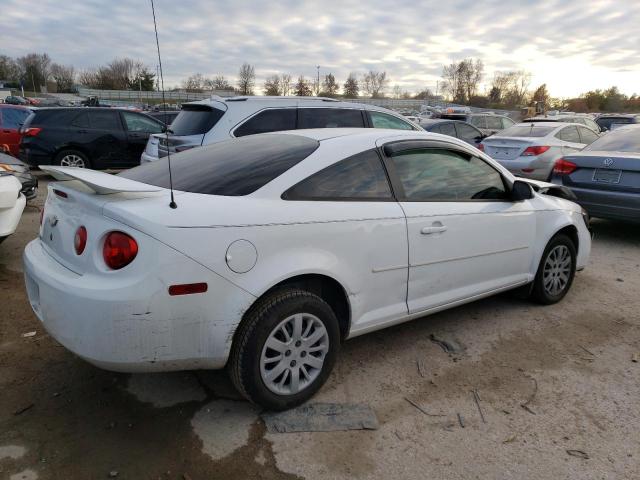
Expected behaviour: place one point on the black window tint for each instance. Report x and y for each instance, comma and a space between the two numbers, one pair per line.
105, 120
329, 118
195, 120
140, 123
618, 141
467, 133
359, 177
494, 123
435, 129
81, 120
587, 136
382, 120
569, 134
13, 117
445, 175
273, 120
232, 167
448, 129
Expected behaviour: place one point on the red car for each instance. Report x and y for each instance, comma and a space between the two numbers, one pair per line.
11, 119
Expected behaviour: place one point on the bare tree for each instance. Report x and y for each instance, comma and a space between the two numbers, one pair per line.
351, 87
194, 83
285, 84
329, 86
246, 79
9, 69
64, 76
374, 83
302, 87
221, 83
272, 86
34, 69
397, 91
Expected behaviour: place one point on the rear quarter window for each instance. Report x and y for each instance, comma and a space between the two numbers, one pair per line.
233, 167
272, 120
330, 118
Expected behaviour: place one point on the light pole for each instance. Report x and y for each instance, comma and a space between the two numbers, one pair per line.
318, 84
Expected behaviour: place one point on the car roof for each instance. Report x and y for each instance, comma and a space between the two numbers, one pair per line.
556, 125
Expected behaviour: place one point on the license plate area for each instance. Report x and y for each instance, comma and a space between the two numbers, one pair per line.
607, 176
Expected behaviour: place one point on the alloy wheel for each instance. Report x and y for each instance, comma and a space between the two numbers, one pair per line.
72, 160
557, 270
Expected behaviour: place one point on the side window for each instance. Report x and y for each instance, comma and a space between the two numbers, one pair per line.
447, 176
507, 122
478, 121
106, 120
360, 177
494, 123
81, 121
13, 117
435, 129
448, 129
382, 120
569, 134
329, 118
272, 120
139, 123
467, 133
587, 135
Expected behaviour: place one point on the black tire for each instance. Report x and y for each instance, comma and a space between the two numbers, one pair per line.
543, 295
260, 321
60, 158
2, 239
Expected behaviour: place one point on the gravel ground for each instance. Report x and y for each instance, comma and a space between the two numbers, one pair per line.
557, 387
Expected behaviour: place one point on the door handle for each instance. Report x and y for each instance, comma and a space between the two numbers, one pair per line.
437, 227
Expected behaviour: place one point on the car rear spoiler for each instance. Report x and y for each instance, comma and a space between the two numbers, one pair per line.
551, 189
100, 182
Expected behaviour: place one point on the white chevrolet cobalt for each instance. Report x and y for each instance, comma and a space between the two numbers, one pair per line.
283, 245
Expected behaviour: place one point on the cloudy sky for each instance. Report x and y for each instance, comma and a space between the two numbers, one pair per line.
572, 45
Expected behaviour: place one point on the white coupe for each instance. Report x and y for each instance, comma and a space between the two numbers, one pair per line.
282, 246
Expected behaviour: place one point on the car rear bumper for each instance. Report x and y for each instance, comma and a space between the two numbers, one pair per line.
146, 158
609, 204
34, 158
135, 327
534, 168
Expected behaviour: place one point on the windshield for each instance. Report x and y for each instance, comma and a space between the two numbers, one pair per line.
627, 140
231, 168
195, 120
527, 131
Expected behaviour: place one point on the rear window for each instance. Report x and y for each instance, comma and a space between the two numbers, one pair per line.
627, 140
231, 168
195, 120
527, 131
13, 117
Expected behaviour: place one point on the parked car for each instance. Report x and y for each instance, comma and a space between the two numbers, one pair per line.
12, 204
605, 176
12, 117
90, 137
611, 121
282, 246
581, 119
210, 121
531, 149
18, 169
455, 128
487, 123
16, 100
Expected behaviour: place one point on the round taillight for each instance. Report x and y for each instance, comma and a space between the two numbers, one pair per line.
80, 240
119, 250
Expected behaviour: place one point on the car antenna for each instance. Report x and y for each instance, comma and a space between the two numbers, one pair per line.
172, 203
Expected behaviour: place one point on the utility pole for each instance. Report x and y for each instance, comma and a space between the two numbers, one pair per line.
318, 88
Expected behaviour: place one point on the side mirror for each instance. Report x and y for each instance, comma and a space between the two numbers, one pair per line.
521, 191
480, 138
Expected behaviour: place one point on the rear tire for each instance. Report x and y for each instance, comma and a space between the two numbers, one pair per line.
284, 349
556, 271
72, 158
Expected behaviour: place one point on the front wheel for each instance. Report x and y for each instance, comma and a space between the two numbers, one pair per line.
556, 271
285, 349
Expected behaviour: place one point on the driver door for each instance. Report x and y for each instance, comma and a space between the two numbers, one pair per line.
466, 237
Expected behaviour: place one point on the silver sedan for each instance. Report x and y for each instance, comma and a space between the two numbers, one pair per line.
532, 149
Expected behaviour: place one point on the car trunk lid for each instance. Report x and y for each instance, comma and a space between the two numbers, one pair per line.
503, 148
617, 171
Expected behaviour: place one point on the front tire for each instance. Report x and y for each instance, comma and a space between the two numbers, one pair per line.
72, 158
285, 349
556, 271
